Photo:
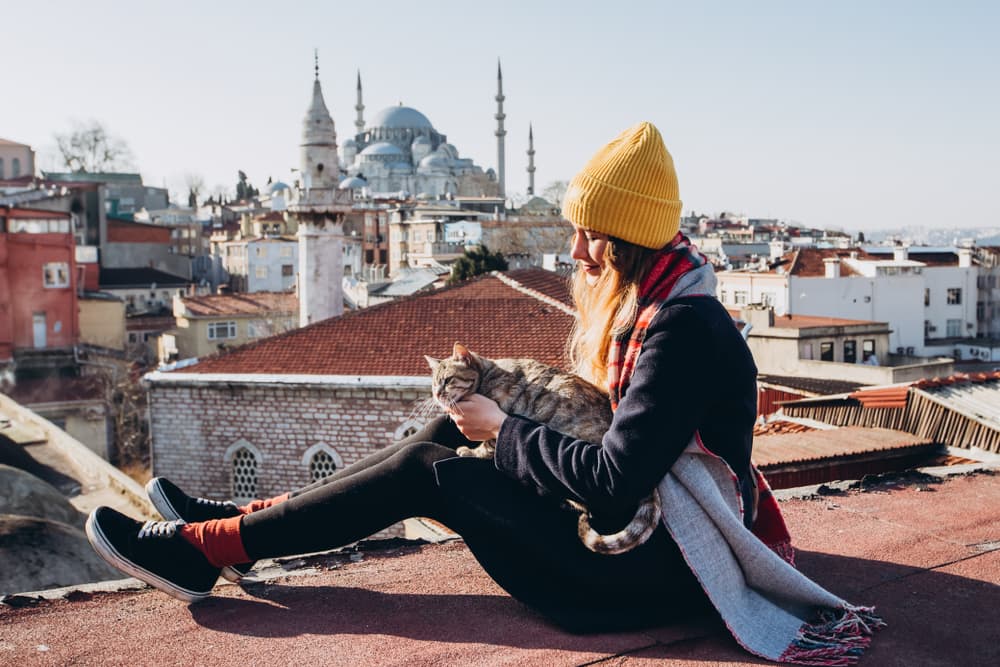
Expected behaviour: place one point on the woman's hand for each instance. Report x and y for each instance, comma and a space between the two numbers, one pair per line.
478, 418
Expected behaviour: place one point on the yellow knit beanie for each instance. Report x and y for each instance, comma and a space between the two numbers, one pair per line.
628, 190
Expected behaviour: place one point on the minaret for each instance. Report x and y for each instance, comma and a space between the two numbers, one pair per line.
531, 161
359, 123
320, 209
501, 133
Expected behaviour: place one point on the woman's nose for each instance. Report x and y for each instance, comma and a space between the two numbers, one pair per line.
578, 248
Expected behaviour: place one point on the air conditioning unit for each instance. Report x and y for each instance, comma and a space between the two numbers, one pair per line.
899, 350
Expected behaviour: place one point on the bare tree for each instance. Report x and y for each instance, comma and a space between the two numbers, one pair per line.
90, 148
195, 185
555, 191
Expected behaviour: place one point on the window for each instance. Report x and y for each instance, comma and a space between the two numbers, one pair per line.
321, 465
954, 328
286, 251
15, 167
244, 474
867, 349
221, 330
1, 168
740, 297
826, 351
850, 351
927, 296
261, 272
768, 298
954, 295
55, 274
723, 296
287, 269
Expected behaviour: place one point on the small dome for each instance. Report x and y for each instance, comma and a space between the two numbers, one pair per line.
383, 148
277, 187
435, 161
400, 118
353, 183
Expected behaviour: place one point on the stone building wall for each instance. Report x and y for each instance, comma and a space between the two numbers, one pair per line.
198, 430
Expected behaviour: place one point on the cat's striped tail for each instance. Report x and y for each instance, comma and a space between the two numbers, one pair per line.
638, 530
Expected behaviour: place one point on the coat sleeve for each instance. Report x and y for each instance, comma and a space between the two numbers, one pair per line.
662, 407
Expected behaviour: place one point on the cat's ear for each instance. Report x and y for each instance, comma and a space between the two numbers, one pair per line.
432, 362
459, 350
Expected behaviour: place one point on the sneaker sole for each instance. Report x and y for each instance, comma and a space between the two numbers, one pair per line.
168, 512
106, 550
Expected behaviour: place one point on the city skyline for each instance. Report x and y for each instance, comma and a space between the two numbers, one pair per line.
844, 116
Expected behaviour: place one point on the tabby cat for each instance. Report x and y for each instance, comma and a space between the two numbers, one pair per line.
563, 401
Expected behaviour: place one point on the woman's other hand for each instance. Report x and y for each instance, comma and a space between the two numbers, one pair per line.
478, 418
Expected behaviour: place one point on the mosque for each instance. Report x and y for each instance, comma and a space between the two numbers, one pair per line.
400, 151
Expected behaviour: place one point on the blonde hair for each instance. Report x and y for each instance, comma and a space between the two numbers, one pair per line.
608, 308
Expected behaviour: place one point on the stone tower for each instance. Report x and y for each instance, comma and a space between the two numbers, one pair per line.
531, 161
320, 209
501, 133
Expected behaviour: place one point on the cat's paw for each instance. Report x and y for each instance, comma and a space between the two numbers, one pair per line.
465, 451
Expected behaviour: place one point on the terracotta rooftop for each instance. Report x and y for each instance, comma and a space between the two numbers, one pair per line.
793, 321
928, 572
828, 444
495, 315
253, 303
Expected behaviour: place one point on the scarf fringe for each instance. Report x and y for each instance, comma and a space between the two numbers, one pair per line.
785, 550
838, 637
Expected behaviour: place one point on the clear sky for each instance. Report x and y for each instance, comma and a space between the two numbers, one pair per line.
850, 114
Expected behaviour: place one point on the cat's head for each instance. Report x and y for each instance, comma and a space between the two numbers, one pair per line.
455, 377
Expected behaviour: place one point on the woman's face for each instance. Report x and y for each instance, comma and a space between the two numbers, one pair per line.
588, 249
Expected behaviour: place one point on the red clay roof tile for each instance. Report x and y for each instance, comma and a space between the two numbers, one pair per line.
489, 316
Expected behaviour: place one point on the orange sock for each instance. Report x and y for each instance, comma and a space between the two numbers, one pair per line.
256, 505
218, 539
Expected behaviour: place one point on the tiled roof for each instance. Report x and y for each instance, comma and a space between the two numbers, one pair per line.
139, 277
121, 231
792, 321
808, 262
816, 445
487, 314
779, 427
816, 386
241, 304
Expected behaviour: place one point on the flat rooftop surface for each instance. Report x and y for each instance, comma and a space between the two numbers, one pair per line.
924, 550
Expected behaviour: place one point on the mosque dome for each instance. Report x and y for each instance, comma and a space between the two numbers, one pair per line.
400, 117
383, 148
277, 187
353, 183
421, 140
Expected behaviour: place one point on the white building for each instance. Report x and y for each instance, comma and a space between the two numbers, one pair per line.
926, 301
264, 264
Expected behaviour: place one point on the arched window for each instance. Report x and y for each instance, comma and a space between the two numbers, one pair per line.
322, 460
15, 167
406, 429
244, 460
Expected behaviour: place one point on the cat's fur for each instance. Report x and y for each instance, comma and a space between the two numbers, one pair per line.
564, 402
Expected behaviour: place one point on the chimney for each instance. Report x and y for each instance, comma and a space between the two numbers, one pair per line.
900, 253
758, 316
964, 258
832, 266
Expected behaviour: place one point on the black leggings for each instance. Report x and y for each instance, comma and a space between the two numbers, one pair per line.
528, 544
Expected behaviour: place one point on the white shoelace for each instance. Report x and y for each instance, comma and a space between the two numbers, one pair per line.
159, 529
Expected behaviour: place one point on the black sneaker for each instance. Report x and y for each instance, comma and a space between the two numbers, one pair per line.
173, 504
152, 551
